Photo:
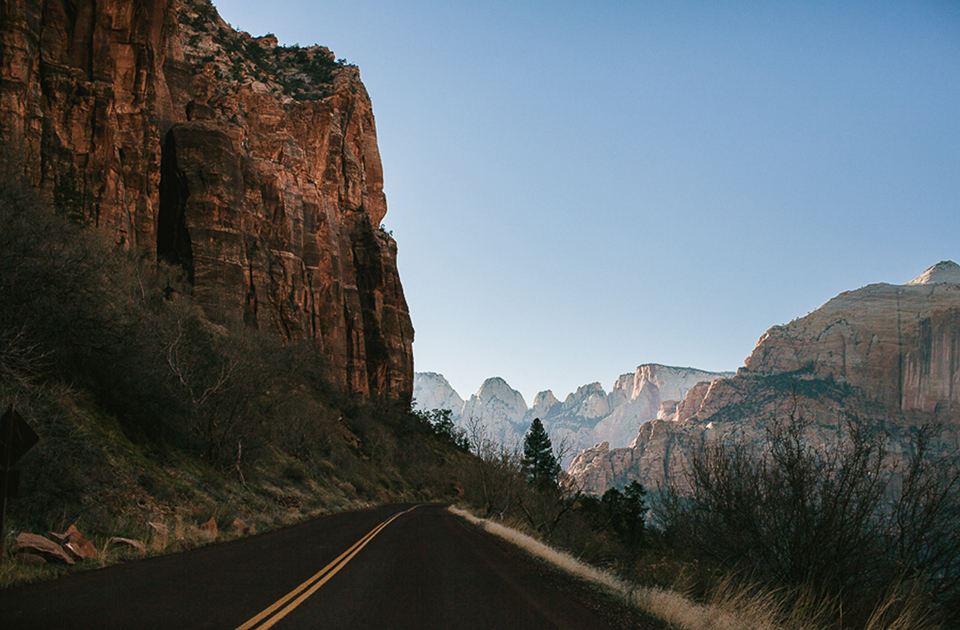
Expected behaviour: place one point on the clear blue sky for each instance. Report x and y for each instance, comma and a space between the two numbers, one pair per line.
581, 187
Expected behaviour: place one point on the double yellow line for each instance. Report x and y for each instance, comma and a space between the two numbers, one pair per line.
280, 609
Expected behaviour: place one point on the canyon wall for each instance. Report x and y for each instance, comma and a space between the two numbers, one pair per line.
254, 167
886, 354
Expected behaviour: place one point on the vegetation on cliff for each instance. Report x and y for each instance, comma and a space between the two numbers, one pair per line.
301, 73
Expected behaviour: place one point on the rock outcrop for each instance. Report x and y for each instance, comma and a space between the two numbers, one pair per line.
252, 166
887, 354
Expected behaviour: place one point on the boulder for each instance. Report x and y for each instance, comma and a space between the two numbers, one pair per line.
40, 546
76, 544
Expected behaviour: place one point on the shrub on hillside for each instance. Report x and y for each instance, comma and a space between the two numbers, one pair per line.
792, 514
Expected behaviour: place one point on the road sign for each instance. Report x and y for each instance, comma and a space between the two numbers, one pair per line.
16, 437
13, 483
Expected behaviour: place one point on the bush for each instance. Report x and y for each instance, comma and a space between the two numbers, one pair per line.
792, 514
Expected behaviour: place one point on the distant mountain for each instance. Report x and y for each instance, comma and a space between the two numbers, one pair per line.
500, 408
432, 391
586, 417
886, 354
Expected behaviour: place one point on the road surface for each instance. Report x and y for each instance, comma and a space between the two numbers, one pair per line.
401, 566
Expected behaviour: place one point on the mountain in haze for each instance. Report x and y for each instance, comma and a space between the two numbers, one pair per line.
252, 166
886, 354
584, 418
432, 391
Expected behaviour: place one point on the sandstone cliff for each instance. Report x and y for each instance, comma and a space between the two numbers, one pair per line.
254, 167
888, 354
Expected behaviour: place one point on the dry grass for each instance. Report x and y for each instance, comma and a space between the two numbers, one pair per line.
733, 604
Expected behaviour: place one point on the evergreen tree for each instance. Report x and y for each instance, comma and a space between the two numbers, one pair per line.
626, 512
539, 464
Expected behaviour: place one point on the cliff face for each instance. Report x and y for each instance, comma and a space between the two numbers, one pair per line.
888, 354
636, 398
254, 167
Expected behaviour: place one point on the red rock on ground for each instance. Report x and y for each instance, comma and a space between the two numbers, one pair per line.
241, 526
209, 529
43, 547
76, 544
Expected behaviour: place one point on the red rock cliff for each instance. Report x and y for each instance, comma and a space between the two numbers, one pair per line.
253, 166
887, 354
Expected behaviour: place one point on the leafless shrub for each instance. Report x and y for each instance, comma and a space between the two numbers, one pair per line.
495, 480
792, 514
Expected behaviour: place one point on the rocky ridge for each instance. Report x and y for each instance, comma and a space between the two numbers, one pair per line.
585, 417
887, 354
252, 166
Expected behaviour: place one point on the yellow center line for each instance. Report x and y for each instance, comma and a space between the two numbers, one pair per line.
315, 581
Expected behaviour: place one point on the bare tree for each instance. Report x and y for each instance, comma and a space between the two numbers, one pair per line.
794, 512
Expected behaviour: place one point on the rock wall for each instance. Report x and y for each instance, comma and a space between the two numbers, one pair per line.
888, 354
255, 167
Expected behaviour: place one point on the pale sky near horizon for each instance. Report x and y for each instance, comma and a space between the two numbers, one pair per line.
577, 188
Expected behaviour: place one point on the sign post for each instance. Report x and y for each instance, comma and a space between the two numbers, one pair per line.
16, 438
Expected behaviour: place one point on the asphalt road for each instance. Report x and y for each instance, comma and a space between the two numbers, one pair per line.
399, 566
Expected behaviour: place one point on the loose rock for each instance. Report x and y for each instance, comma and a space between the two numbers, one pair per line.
209, 529
76, 544
40, 546
241, 526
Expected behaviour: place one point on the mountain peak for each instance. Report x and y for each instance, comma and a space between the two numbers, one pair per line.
944, 272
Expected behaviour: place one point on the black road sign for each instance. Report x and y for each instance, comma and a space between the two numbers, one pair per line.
13, 483
16, 438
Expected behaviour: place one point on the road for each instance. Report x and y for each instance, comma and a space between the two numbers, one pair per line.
401, 566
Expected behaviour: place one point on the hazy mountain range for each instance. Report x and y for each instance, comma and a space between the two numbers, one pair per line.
585, 417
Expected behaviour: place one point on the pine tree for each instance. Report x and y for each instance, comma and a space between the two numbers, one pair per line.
539, 464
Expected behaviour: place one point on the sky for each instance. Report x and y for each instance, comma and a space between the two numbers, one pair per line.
578, 188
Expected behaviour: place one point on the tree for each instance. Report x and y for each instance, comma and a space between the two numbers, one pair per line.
540, 466
626, 512
441, 420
